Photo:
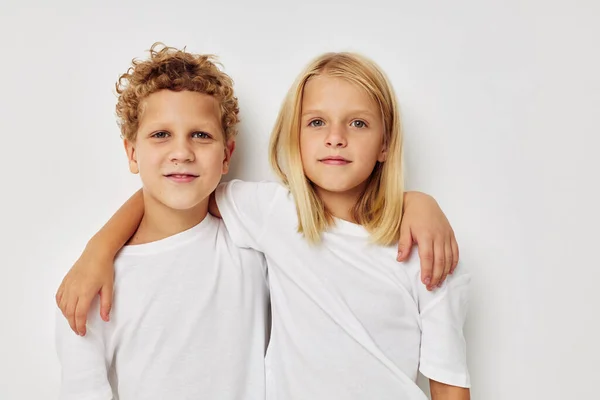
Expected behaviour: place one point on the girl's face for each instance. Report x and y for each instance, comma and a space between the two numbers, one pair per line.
341, 136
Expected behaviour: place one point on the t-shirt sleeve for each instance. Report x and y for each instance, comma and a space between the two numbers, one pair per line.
245, 207
443, 312
84, 374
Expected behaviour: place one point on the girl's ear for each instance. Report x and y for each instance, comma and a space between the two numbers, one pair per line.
229, 148
383, 154
131, 156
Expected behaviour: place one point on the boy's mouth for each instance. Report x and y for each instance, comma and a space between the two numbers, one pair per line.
335, 160
181, 178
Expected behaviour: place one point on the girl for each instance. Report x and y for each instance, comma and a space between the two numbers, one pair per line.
347, 323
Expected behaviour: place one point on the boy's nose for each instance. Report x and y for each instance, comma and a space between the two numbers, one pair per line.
182, 152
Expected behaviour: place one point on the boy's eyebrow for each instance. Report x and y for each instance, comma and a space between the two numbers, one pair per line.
168, 125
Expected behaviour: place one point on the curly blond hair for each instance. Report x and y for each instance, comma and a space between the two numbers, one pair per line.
173, 69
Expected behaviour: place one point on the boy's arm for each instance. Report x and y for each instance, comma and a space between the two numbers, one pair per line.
424, 222
441, 391
245, 205
84, 372
93, 272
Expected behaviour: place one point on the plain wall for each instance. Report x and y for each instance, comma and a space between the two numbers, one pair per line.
500, 100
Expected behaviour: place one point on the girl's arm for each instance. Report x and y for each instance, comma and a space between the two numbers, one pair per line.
424, 222
441, 391
93, 272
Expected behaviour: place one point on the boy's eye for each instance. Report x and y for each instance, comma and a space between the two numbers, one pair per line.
160, 135
316, 123
200, 135
359, 124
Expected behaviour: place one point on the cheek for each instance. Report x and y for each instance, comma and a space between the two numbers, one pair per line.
307, 146
370, 148
149, 159
211, 158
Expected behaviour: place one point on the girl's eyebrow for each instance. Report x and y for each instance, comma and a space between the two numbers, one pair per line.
358, 111
361, 111
310, 112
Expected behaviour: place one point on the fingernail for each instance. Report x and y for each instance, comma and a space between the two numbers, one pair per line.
399, 256
427, 281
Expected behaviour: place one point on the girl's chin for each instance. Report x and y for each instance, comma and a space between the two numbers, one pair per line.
338, 189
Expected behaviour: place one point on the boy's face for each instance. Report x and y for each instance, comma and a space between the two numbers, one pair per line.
179, 150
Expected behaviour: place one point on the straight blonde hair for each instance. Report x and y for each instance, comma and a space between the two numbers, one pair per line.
379, 208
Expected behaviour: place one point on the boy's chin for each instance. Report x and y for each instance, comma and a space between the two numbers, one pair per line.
188, 198
185, 205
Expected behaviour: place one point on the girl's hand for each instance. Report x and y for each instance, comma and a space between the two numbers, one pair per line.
92, 274
425, 223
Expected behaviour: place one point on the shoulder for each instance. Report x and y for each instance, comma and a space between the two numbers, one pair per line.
238, 187
252, 198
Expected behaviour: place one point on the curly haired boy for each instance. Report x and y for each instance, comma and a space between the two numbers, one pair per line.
190, 306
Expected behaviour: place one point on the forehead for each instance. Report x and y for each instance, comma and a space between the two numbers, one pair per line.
170, 107
323, 91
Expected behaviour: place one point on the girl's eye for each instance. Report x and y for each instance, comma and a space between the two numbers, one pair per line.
160, 135
359, 124
316, 123
200, 135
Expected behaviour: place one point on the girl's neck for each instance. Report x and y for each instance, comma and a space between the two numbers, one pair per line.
340, 204
161, 221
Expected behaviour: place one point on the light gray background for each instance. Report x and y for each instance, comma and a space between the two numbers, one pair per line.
501, 101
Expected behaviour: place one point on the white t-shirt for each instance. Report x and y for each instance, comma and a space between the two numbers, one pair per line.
190, 321
349, 321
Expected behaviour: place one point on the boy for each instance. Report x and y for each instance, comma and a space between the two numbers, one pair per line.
191, 316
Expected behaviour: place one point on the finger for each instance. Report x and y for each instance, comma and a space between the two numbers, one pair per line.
447, 261
426, 256
70, 313
404, 244
63, 302
106, 296
455, 254
81, 311
438, 262
59, 294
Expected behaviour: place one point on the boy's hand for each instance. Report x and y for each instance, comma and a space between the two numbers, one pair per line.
424, 223
89, 276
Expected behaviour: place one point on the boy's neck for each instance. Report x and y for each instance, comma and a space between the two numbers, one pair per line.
160, 221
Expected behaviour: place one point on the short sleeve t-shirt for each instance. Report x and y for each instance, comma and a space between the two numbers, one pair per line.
190, 321
349, 321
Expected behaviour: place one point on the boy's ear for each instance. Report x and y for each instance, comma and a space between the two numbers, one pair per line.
229, 148
131, 156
